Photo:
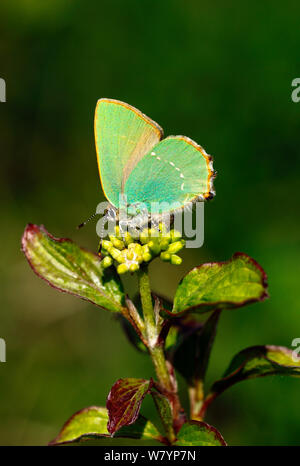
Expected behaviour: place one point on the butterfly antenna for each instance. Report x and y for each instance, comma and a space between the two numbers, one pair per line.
87, 221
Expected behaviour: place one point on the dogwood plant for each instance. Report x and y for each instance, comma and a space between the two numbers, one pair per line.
171, 334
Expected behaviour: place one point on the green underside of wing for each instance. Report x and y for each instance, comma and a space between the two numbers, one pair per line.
174, 172
123, 136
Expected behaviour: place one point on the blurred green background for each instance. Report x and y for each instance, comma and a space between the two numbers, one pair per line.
219, 72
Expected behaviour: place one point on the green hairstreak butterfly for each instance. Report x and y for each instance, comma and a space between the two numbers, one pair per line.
137, 164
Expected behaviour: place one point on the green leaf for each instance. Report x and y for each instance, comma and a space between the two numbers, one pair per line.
194, 433
91, 423
221, 285
257, 361
124, 402
164, 409
69, 268
191, 354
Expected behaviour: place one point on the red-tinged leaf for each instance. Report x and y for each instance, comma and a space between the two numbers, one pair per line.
253, 362
258, 361
124, 402
69, 268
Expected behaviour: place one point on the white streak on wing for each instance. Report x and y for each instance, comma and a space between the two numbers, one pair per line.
182, 186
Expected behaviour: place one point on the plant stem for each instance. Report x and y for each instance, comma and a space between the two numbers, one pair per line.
152, 332
210, 397
161, 369
146, 298
164, 371
196, 396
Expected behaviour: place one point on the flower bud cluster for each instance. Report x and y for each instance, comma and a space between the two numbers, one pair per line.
129, 253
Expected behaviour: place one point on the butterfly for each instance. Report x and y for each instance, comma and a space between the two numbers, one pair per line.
137, 164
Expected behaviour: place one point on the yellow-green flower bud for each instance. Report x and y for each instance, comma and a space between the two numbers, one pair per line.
117, 255
117, 243
130, 254
164, 243
175, 247
145, 248
138, 249
106, 244
122, 268
154, 247
134, 267
165, 256
175, 260
147, 256
107, 262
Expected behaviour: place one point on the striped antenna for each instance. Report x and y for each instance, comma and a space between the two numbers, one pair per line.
87, 221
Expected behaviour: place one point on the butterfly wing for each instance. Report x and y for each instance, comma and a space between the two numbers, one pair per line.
177, 170
123, 136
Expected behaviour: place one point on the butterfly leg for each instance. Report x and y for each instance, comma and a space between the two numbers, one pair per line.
123, 228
